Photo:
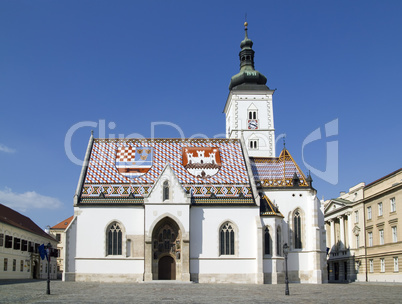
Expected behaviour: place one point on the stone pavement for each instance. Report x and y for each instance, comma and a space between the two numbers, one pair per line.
168, 292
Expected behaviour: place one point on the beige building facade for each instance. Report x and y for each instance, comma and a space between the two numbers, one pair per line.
58, 231
383, 206
20, 239
344, 224
362, 232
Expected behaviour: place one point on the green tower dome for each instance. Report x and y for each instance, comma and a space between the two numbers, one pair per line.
248, 77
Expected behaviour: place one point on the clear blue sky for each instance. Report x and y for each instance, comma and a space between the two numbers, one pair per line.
132, 63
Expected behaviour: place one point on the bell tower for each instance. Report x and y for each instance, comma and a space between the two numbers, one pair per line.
248, 109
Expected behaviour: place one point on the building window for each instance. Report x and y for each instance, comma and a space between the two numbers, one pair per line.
114, 236
165, 190
371, 265
22, 265
5, 264
382, 237
369, 213
24, 245
396, 265
58, 237
356, 216
379, 209
8, 241
252, 114
267, 241
17, 243
278, 241
370, 237
394, 235
227, 239
14, 264
382, 261
297, 230
357, 241
1, 239
393, 204
253, 144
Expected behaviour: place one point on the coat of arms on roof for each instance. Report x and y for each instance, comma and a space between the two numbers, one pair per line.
133, 161
202, 162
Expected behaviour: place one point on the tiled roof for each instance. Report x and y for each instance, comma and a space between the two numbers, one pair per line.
63, 224
277, 171
13, 218
106, 175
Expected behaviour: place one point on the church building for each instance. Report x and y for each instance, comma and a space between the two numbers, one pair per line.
201, 210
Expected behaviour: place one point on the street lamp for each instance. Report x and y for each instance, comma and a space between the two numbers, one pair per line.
285, 252
49, 247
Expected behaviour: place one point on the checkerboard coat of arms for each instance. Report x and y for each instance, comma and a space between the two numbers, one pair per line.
202, 162
133, 161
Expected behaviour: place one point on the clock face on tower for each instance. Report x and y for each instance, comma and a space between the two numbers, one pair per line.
252, 124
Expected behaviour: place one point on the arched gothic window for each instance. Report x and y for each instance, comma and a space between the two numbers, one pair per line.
114, 239
278, 241
267, 241
297, 230
165, 190
227, 239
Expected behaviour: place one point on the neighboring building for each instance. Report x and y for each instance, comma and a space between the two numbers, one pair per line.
362, 232
205, 210
383, 206
59, 233
20, 239
344, 223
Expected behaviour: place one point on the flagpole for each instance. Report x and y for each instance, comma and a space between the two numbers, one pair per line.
49, 246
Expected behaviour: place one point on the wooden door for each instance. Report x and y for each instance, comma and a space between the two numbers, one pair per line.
167, 268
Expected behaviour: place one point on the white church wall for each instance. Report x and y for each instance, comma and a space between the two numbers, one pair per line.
110, 266
206, 263
92, 263
94, 221
303, 264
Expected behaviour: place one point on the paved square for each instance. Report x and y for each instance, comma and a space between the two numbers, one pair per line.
167, 292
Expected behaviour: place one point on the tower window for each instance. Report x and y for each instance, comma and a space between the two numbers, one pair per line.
252, 114
253, 144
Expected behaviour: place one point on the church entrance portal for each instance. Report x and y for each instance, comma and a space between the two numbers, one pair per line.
167, 268
166, 250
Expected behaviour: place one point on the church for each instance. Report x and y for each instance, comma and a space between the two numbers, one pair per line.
200, 210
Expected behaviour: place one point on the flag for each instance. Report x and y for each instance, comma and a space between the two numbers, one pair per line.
42, 251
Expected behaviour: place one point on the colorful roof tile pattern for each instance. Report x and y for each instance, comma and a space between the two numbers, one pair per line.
277, 171
103, 178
